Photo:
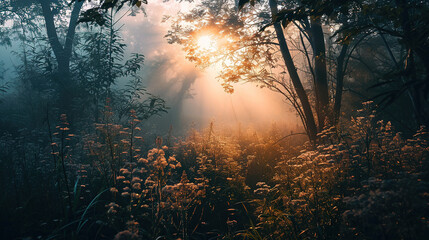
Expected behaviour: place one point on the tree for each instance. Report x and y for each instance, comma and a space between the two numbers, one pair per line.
259, 45
400, 20
405, 22
3, 86
60, 22
60, 19
78, 67
62, 51
102, 63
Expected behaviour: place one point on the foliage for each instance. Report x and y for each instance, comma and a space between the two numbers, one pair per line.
246, 53
364, 181
357, 177
395, 20
97, 12
97, 61
3, 86
254, 47
68, 177
310, 57
104, 64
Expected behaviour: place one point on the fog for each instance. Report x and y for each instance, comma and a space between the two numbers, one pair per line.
214, 119
194, 95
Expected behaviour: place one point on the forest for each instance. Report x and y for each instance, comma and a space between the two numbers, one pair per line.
214, 119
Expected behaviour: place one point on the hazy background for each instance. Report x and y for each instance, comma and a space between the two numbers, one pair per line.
194, 96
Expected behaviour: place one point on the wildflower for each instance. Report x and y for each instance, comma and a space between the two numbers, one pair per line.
143, 160
124, 171
149, 181
111, 211
125, 141
135, 195
112, 204
137, 186
113, 190
231, 222
261, 191
136, 179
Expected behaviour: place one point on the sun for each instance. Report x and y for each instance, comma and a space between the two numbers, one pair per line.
207, 43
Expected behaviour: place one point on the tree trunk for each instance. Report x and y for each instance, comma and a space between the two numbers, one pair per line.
416, 43
340, 83
62, 53
309, 123
321, 81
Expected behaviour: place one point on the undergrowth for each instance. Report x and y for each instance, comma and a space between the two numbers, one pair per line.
363, 180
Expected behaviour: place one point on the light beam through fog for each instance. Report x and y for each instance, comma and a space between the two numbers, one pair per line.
194, 96
73, 134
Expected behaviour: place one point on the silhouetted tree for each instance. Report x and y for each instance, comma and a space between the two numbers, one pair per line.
402, 20
250, 54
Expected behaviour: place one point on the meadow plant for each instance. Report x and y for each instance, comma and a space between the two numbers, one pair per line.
363, 181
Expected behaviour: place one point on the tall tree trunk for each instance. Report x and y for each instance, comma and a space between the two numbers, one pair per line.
340, 83
62, 52
416, 43
321, 81
310, 123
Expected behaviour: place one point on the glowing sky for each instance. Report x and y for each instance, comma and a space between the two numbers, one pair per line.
194, 95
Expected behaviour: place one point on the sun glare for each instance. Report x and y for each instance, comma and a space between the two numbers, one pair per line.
207, 43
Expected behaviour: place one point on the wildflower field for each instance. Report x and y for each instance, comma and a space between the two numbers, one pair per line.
363, 181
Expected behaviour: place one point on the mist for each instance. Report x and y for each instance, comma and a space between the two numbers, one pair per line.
214, 119
194, 95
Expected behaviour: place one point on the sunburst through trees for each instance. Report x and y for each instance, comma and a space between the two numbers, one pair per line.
83, 156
